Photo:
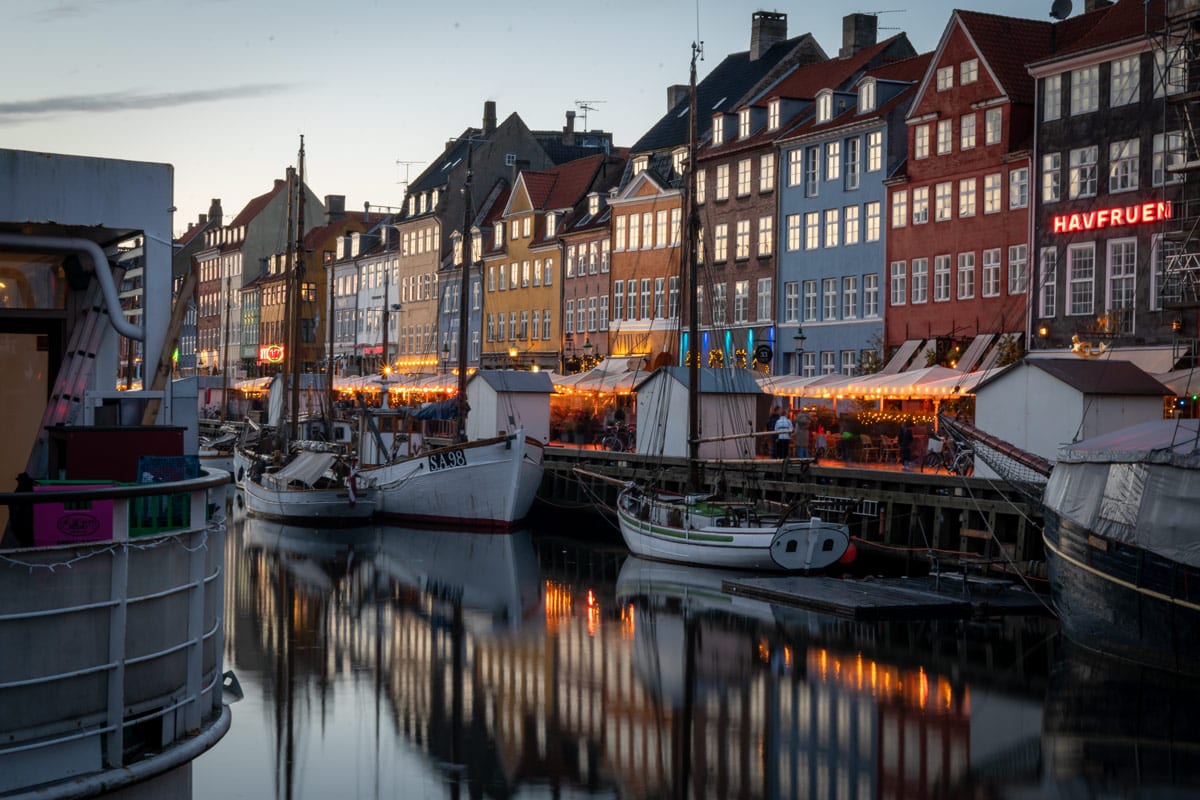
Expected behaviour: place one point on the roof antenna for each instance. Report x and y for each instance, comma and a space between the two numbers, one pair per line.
1061, 9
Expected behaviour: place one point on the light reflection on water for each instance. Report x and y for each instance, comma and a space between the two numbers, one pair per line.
394, 662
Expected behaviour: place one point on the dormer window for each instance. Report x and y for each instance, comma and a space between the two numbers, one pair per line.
866, 96
433, 199
593, 204
640, 163
498, 241
744, 123
679, 160
773, 115
718, 130
825, 106
551, 224
412, 205
424, 200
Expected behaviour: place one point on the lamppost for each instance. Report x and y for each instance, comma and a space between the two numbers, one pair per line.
445, 357
799, 340
587, 353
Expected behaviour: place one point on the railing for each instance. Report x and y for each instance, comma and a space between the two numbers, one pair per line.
111, 651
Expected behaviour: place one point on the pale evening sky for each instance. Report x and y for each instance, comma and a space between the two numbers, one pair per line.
222, 90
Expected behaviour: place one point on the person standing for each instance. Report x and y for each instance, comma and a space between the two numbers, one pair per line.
783, 436
905, 443
801, 426
771, 420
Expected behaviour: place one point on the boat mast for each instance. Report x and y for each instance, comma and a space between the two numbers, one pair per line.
297, 284
692, 354
225, 353
464, 287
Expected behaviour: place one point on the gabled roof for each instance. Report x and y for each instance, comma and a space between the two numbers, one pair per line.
319, 233
729, 81
438, 172
256, 206
191, 233
562, 186
578, 220
905, 70
1094, 376
516, 381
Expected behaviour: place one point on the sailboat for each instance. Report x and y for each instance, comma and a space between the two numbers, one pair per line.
300, 480
483, 483
699, 526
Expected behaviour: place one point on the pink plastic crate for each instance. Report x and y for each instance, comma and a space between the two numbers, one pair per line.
72, 521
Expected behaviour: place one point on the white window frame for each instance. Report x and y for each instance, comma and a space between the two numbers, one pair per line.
1085, 90
1081, 280
989, 273
966, 197
1123, 165
1018, 268
898, 283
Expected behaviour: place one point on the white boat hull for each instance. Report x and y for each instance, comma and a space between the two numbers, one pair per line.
672, 529
305, 505
486, 484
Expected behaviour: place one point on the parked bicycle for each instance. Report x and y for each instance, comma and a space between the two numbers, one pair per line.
619, 438
941, 455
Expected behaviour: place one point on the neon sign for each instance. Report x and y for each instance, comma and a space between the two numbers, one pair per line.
271, 353
1144, 213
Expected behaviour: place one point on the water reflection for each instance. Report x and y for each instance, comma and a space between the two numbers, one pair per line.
390, 661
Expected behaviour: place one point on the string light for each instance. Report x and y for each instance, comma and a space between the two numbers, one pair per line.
172, 538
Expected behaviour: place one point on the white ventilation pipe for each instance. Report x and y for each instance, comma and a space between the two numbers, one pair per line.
73, 244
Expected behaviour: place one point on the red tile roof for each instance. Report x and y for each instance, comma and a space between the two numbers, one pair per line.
562, 186
910, 69
804, 82
255, 206
1128, 19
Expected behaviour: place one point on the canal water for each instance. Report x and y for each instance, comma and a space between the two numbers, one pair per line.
396, 662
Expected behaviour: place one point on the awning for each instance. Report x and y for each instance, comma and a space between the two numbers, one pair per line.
905, 384
974, 352
993, 355
901, 357
305, 467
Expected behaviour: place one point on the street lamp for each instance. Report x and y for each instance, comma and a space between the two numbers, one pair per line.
512, 356
445, 357
799, 340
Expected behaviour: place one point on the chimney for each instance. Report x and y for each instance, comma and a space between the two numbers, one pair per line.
767, 28
1093, 5
335, 208
214, 212
202, 221
569, 129
858, 32
489, 117
676, 94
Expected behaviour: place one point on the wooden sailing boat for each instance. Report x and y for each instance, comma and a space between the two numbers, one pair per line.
700, 527
305, 480
484, 483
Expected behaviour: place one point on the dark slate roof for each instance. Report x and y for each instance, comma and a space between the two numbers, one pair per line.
1100, 376
1125, 20
516, 381
712, 380
725, 85
438, 172
608, 177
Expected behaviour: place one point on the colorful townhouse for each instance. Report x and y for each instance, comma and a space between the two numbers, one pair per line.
832, 202
958, 237
1110, 155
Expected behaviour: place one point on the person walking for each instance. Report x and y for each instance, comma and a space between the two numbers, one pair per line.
783, 436
905, 443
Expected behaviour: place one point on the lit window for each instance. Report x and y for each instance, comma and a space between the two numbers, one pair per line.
945, 135
966, 136
966, 197
943, 201
921, 142
766, 235
866, 96
991, 193
718, 130
1082, 178
945, 78
968, 71
1085, 90
744, 123
773, 115
1018, 188
1124, 81
833, 161
766, 172
1051, 177
743, 177
1123, 166
832, 224
991, 126
920, 209
874, 151
850, 215
899, 208
722, 190
873, 215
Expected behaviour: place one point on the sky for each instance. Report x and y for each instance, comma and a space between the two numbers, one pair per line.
223, 90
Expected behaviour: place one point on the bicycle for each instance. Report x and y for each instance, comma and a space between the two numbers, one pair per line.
619, 438
937, 456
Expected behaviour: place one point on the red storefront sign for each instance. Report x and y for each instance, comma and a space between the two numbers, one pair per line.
1141, 214
270, 354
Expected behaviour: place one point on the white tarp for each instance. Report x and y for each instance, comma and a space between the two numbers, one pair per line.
306, 468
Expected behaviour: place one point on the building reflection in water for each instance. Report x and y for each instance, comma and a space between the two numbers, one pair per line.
429, 663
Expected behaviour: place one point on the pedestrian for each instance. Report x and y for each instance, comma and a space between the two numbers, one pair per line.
905, 442
783, 436
771, 420
801, 425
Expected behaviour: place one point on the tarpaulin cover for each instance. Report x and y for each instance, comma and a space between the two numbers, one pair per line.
442, 409
306, 468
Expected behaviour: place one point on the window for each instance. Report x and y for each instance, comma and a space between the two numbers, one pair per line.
743, 123
645, 311
660, 298
991, 126
810, 301
1018, 188
1124, 80
920, 214
766, 235
527, 226
852, 147
991, 193
722, 190
943, 201
766, 173
812, 230
1160, 256
525, 323
966, 131
966, 276
524, 274
873, 212
871, 295
795, 167
831, 227
866, 95
1083, 173
808, 364
791, 302
812, 177
849, 362
660, 234
1123, 166
504, 277
673, 297
945, 78
763, 298
569, 319
1018, 269
920, 280
850, 297
966, 197
491, 279
498, 235
921, 142
824, 106
721, 242
899, 208
874, 151
718, 304
1051, 98
1051, 177
514, 276
829, 293
945, 136
647, 231
678, 160
1085, 90
515, 231
1122, 281
991, 272
631, 304
676, 216
793, 232
635, 230
548, 272
941, 279
718, 130
701, 183
773, 115
828, 362
618, 304
833, 161
1081, 277
742, 240
1168, 154
968, 71
1047, 299
619, 234
1170, 71
899, 289
743, 177
850, 214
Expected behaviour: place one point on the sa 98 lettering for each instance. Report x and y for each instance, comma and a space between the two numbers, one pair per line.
447, 460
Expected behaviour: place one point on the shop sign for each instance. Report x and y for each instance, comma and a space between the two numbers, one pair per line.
271, 354
1144, 213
